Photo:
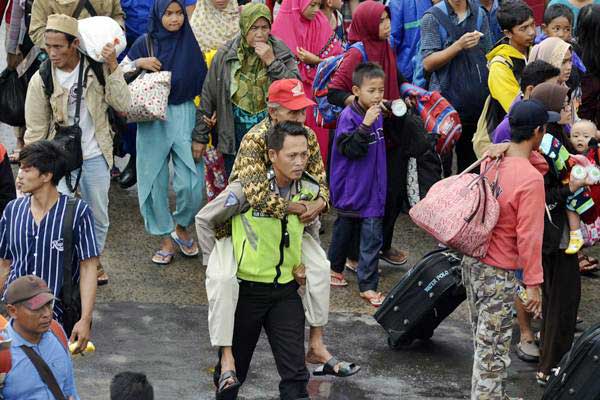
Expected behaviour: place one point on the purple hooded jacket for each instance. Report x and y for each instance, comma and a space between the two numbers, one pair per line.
358, 184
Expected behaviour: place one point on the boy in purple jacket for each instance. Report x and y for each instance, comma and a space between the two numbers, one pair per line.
358, 182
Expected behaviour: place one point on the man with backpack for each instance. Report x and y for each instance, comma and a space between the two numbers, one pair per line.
455, 36
72, 92
78, 9
51, 236
36, 342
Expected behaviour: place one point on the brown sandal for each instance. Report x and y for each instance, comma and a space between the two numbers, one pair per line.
101, 276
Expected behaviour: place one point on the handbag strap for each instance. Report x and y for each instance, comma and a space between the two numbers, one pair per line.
473, 166
67, 228
45, 372
79, 90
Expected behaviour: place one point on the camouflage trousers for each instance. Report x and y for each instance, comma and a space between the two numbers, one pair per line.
490, 294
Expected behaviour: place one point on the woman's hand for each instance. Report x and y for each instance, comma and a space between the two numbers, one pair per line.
265, 52
496, 150
307, 57
198, 150
148, 63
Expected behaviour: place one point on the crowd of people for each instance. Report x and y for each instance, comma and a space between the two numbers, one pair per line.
255, 161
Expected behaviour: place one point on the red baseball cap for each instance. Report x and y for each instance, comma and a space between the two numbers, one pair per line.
29, 289
289, 93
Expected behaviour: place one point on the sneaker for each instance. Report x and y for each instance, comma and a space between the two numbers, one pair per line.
393, 256
528, 351
575, 242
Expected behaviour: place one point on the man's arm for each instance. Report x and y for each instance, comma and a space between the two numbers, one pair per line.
39, 16
4, 271
89, 258
117, 13
88, 282
116, 92
38, 113
229, 203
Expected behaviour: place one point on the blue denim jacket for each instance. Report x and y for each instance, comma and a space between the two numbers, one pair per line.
22, 382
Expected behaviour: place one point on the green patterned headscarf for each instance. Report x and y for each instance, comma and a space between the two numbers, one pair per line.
250, 82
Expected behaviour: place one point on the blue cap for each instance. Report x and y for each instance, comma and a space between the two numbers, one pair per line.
529, 114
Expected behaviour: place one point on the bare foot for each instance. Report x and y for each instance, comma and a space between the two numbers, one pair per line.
167, 245
318, 354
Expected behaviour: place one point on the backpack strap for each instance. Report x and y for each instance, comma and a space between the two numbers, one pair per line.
84, 4
59, 332
501, 60
448, 28
440, 13
361, 47
68, 247
46, 75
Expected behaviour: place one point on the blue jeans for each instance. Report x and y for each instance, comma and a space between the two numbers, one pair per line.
93, 185
371, 240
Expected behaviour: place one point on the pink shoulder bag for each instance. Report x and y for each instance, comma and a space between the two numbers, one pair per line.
461, 211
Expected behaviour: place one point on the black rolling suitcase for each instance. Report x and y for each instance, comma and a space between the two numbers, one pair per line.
424, 297
578, 374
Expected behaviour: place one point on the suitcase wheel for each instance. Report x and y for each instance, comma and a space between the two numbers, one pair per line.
399, 344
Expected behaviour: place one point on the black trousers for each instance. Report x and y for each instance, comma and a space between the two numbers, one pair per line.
279, 310
397, 164
560, 302
465, 155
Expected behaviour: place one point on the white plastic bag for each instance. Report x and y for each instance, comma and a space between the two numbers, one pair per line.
96, 32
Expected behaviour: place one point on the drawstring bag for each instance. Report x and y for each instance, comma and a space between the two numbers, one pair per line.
461, 211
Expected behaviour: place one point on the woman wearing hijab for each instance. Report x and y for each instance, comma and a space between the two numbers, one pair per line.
556, 52
238, 81
215, 22
371, 26
562, 283
303, 27
159, 142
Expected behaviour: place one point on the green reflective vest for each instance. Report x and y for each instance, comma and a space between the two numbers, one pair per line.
267, 249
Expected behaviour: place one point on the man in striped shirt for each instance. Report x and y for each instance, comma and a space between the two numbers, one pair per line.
31, 234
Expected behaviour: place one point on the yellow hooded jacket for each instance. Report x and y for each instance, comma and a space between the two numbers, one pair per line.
503, 84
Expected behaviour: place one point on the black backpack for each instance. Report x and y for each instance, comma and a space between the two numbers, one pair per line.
464, 79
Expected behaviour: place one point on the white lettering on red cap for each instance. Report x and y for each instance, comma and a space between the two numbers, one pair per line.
298, 90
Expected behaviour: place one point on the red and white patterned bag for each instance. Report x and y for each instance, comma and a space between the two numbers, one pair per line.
461, 211
149, 97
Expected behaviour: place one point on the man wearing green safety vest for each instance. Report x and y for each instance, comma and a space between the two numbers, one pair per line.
266, 251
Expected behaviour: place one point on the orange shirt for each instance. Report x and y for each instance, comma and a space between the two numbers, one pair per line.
516, 241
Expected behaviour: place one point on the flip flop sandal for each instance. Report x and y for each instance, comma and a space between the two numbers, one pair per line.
225, 386
337, 280
586, 265
374, 300
345, 369
351, 267
162, 257
185, 245
101, 276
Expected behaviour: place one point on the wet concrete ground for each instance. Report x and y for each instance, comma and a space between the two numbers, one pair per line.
153, 320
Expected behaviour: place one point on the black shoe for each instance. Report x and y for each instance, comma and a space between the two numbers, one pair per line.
128, 177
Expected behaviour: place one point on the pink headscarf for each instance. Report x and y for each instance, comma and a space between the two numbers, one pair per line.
314, 35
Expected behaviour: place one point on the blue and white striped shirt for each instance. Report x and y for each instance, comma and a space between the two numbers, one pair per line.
38, 250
